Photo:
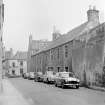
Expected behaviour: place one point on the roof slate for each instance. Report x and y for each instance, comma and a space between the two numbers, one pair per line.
36, 44
8, 55
66, 37
77, 32
20, 56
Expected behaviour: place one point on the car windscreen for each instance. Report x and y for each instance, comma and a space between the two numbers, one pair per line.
67, 75
31, 73
39, 73
50, 73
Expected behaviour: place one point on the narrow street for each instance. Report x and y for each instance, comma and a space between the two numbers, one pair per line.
43, 94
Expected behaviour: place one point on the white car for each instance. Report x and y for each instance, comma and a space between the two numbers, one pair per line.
66, 79
25, 75
49, 77
31, 75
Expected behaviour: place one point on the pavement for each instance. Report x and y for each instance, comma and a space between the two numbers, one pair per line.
97, 88
10, 95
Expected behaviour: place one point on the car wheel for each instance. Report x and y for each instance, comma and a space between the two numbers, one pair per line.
77, 87
62, 86
47, 80
55, 84
34, 80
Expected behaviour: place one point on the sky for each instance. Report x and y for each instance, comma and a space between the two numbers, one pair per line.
37, 17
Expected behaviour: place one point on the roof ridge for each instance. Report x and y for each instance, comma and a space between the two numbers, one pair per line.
65, 37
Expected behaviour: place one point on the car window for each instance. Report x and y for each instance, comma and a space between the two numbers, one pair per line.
64, 74
71, 75
60, 75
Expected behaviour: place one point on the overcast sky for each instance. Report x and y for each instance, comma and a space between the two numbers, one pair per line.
38, 17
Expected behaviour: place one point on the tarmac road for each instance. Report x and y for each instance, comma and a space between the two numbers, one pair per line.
37, 93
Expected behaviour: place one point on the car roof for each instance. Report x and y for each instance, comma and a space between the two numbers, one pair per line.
65, 72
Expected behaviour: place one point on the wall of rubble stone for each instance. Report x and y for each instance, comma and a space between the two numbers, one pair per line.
87, 57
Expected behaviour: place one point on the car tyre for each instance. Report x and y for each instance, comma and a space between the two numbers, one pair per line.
77, 87
34, 80
62, 86
55, 84
47, 81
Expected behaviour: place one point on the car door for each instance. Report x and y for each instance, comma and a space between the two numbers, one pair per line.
59, 79
56, 78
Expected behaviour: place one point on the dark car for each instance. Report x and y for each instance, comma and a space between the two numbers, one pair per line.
66, 79
38, 77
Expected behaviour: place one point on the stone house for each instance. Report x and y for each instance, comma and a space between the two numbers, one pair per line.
7, 55
15, 64
80, 50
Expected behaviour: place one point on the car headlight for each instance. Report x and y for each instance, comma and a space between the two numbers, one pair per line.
64, 81
78, 80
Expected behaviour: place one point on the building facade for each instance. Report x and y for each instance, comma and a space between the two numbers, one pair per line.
7, 55
15, 64
33, 47
81, 51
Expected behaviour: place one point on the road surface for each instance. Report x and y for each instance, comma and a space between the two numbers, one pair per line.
43, 94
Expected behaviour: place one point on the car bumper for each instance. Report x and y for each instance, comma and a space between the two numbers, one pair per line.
71, 85
39, 79
31, 77
51, 81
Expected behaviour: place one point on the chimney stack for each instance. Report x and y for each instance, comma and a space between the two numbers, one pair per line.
93, 14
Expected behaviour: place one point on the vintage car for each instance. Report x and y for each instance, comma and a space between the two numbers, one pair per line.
25, 75
31, 75
49, 77
38, 77
66, 79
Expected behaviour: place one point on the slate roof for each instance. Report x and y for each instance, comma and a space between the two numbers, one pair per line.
8, 55
67, 37
33, 44
20, 56
36, 44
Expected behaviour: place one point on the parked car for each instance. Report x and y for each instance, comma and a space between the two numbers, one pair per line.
31, 75
38, 77
66, 79
25, 75
49, 77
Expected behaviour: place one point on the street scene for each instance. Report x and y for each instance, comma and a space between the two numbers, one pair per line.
52, 52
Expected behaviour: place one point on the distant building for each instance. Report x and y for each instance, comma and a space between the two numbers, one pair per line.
15, 64
7, 56
33, 47
80, 50
56, 34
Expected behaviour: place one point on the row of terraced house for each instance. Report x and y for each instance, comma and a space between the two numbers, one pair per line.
80, 51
